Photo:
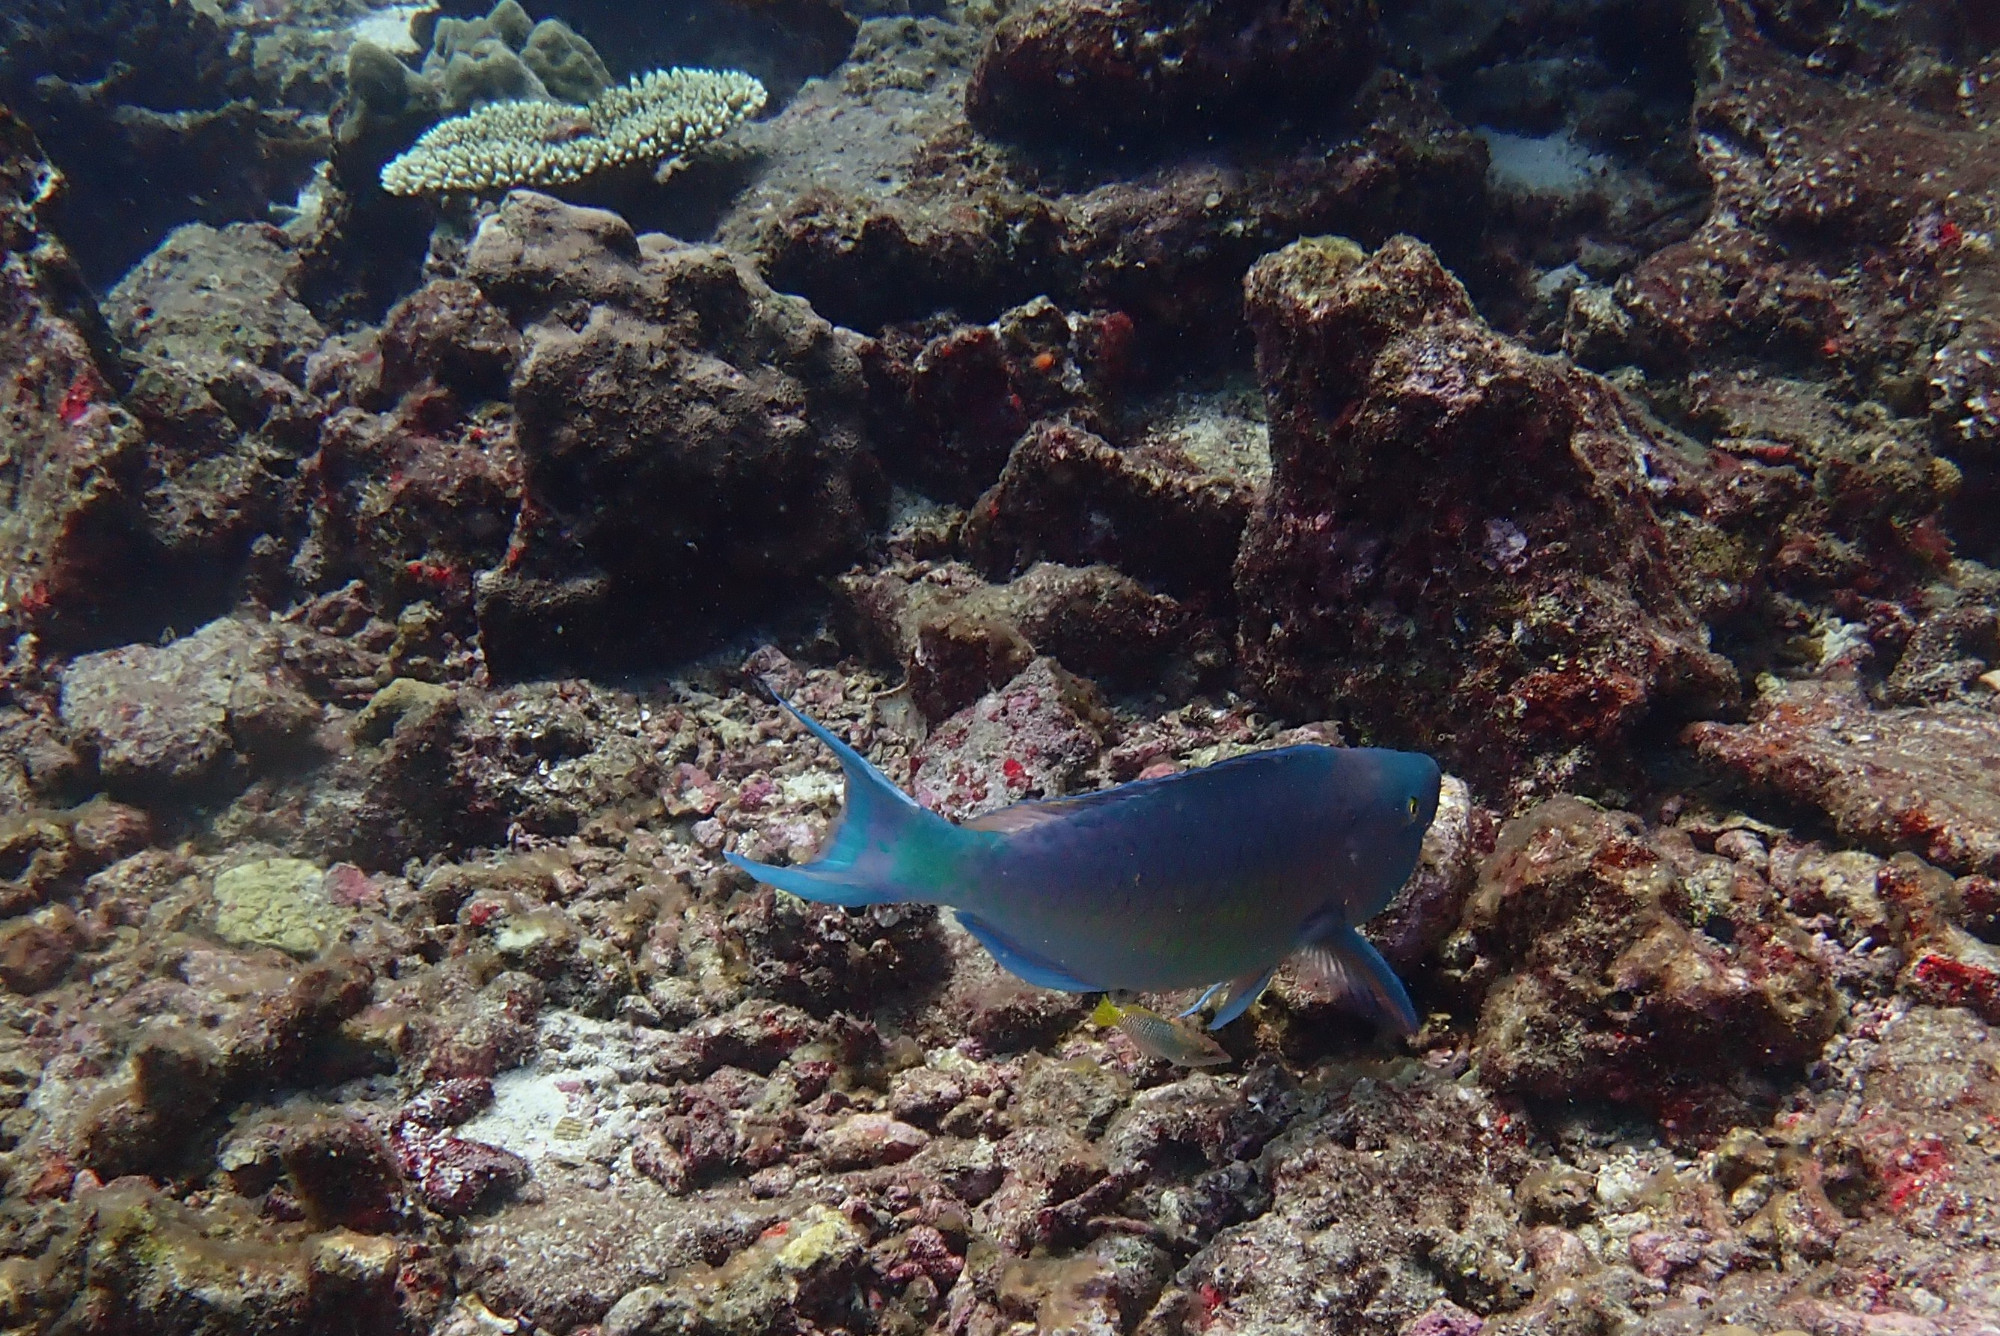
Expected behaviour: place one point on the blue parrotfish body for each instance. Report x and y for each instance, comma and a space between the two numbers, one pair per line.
1208, 877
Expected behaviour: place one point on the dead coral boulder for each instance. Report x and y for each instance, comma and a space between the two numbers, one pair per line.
948, 408
1032, 738
956, 637
154, 1265
36, 952
447, 333
1837, 497
76, 461
1945, 965
690, 447
172, 1079
949, 222
1620, 964
820, 957
1169, 510
228, 1023
219, 340
1368, 1177
1838, 237
338, 1168
413, 502
211, 302
198, 715
1948, 651
1126, 72
1456, 520
1916, 779
45, 855
453, 1175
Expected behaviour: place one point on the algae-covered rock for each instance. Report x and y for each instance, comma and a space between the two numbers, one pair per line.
278, 902
1532, 530
783, 1272
404, 698
200, 714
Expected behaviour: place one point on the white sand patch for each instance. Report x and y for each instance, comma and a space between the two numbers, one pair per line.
389, 28
1546, 165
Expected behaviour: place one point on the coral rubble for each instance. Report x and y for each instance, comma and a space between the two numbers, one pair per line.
392, 593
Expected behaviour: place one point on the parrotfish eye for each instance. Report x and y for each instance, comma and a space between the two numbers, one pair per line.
1415, 807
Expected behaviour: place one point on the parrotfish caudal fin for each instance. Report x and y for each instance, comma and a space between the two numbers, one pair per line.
883, 836
1343, 959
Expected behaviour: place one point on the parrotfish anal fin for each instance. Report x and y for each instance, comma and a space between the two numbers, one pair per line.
1201, 1001
1024, 964
1348, 963
876, 819
1242, 992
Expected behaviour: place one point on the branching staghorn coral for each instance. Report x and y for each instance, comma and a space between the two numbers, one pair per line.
656, 115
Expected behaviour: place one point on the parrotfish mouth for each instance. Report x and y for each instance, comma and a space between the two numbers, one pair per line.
887, 849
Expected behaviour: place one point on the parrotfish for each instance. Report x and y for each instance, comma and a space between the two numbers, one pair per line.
1209, 877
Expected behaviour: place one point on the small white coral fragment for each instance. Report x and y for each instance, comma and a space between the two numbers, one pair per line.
656, 115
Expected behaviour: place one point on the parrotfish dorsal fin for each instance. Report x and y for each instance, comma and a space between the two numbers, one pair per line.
1022, 816
879, 827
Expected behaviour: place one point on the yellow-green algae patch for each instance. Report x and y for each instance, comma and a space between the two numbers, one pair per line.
279, 902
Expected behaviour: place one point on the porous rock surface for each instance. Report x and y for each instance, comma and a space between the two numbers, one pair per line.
1453, 518
1920, 779
402, 988
694, 422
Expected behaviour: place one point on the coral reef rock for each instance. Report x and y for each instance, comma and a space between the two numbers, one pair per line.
159, 113
889, 207
693, 444
956, 637
190, 717
1170, 509
1467, 547
1053, 72
1033, 737
1841, 237
1621, 965
1919, 779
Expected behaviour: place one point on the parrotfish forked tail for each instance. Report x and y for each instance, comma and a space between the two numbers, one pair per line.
1214, 874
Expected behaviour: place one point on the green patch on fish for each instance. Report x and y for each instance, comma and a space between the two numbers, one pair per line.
1215, 874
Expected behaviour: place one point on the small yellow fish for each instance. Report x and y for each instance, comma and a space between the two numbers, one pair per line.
1160, 1036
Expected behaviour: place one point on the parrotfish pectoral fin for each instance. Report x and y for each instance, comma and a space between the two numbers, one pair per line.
1348, 963
879, 827
1242, 992
1022, 963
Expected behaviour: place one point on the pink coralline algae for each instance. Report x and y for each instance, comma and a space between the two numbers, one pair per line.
452, 1175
